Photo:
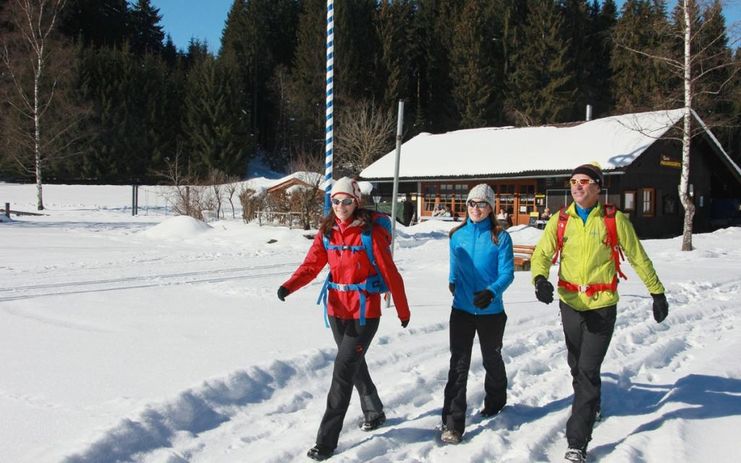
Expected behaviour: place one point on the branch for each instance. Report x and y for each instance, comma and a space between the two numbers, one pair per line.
670, 61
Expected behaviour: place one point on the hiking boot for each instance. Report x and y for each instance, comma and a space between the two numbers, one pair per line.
375, 423
576, 455
319, 452
451, 436
489, 412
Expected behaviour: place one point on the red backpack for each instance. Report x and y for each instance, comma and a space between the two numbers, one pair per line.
611, 240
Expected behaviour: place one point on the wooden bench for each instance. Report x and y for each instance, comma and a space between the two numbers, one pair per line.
523, 253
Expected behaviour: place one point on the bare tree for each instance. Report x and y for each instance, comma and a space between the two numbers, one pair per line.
29, 54
706, 60
217, 185
185, 196
231, 187
365, 132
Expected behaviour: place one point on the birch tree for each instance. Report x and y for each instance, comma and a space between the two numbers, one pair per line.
27, 53
696, 68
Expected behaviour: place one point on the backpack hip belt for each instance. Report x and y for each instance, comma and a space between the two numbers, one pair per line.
589, 289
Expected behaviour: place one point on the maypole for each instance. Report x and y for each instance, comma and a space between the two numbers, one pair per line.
329, 108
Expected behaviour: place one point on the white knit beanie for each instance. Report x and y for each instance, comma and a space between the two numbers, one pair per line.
482, 192
349, 187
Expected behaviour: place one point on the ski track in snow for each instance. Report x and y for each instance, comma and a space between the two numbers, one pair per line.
218, 275
239, 417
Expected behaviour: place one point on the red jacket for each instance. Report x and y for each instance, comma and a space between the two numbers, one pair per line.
347, 267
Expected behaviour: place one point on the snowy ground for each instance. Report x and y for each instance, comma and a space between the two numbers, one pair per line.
157, 339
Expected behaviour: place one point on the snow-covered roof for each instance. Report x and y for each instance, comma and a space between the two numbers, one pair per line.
614, 142
310, 178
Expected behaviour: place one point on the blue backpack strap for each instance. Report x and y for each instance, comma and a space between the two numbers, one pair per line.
323, 299
372, 284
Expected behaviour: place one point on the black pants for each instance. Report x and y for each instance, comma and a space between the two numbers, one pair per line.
350, 369
463, 327
588, 335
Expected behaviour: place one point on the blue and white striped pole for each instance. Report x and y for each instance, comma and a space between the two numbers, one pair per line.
329, 108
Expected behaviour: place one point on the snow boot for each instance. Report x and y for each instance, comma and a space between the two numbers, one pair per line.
319, 452
575, 456
451, 436
375, 423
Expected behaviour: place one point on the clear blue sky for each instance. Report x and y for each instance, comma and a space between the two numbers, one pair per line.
204, 19
201, 19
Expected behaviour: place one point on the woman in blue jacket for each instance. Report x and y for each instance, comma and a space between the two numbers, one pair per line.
481, 269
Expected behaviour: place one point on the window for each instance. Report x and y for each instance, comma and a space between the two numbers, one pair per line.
629, 201
648, 200
430, 192
461, 193
527, 199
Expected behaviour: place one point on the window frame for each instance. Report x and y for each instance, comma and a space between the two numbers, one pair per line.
649, 211
632, 195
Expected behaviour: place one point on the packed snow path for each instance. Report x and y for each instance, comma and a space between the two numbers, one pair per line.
270, 413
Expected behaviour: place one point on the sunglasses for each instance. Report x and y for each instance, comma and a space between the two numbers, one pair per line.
581, 181
477, 204
344, 202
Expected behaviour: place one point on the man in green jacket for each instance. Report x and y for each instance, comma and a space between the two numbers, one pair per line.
587, 289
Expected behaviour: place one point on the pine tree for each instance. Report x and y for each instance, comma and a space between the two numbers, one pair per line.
435, 29
639, 84
395, 72
473, 63
578, 30
542, 81
145, 31
95, 22
213, 140
355, 50
599, 92
308, 76
258, 36
714, 66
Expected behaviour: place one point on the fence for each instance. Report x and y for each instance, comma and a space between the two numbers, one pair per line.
283, 219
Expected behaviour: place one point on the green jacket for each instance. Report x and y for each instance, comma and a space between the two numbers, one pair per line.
586, 259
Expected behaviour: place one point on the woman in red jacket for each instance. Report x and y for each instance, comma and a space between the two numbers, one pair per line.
353, 314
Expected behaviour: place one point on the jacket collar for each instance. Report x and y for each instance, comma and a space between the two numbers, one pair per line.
484, 225
571, 210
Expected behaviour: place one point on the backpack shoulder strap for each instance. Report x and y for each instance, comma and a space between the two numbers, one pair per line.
611, 240
378, 220
563, 219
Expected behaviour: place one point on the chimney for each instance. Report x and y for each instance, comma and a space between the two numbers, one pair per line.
589, 112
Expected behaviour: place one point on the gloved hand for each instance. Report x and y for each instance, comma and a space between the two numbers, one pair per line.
543, 289
482, 299
404, 323
451, 288
661, 307
282, 293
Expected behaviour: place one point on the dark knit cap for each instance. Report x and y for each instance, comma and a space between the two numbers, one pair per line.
593, 171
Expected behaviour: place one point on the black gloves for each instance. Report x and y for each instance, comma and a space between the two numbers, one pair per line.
543, 289
451, 288
482, 299
282, 293
404, 323
661, 307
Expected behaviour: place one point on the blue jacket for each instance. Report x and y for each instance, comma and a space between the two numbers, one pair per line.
476, 264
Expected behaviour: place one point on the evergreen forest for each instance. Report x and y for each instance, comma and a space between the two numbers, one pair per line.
121, 104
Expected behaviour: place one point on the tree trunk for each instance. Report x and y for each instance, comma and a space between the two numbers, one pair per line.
37, 129
687, 202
